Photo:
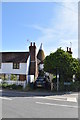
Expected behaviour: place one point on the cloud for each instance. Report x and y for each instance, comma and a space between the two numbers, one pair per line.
70, 25
63, 31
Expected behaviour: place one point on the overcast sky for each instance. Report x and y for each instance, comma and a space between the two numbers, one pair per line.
55, 24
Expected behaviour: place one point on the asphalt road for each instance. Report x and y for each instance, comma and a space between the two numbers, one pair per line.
39, 105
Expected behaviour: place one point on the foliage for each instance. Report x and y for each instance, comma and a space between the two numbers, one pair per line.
4, 85
78, 71
41, 73
13, 86
13, 77
29, 87
62, 63
75, 86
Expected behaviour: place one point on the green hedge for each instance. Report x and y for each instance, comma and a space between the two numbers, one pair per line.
15, 87
75, 86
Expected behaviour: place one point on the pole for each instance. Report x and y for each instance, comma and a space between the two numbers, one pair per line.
57, 82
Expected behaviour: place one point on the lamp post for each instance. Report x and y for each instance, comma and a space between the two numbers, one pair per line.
57, 82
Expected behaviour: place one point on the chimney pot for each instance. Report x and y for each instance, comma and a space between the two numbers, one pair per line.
34, 44
67, 49
70, 49
31, 43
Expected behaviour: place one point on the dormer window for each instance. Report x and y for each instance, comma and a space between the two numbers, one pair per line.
15, 65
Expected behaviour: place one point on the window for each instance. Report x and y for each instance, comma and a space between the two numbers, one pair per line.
0, 65
15, 65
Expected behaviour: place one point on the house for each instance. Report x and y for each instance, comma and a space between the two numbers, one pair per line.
23, 65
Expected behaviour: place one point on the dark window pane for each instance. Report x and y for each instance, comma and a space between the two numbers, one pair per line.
15, 65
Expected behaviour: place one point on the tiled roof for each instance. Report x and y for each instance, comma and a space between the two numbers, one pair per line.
38, 61
20, 57
41, 55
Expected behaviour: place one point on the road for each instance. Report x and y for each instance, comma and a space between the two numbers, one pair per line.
38, 105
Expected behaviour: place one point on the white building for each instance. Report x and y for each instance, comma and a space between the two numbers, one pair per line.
23, 65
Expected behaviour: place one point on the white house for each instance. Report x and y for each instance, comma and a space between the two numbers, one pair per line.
22, 64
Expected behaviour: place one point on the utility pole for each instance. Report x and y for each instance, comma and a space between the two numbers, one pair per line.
57, 82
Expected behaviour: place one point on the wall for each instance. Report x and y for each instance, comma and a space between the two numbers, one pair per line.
28, 64
30, 79
7, 68
41, 66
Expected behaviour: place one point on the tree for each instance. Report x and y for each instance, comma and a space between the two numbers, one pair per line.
78, 70
61, 62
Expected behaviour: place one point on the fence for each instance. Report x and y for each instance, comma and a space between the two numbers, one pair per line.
10, 82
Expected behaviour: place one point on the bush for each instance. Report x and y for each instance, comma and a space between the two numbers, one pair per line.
13, 86
61, 86
16, 87
19, 87
29, 87
4, 85
75, 86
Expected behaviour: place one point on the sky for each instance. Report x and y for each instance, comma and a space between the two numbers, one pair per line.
54, 24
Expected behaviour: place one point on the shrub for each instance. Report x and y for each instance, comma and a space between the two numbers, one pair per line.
61, 86
75, 86
19, 87
4, 85
28, 88
13, 86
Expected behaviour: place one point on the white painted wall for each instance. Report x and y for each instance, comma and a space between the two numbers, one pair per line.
7, 68
28, 64
30, 78
41, 66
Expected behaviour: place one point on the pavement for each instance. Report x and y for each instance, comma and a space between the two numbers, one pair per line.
39, 104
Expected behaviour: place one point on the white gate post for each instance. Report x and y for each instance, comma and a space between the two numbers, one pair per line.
24, 85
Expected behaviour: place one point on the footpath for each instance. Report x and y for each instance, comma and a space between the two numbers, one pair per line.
65, 96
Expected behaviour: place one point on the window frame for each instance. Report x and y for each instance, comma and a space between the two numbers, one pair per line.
16, 65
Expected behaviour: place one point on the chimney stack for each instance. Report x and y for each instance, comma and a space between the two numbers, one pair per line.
67, 49
32, 51
31, 43
34, 44
33, 59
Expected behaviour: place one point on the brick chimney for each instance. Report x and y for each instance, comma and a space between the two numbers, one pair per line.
33, 60
32, 51
69, 50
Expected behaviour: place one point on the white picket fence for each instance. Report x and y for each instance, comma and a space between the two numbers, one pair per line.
11, 82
